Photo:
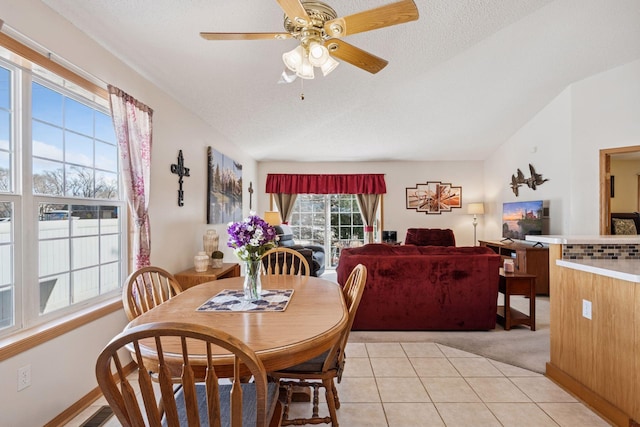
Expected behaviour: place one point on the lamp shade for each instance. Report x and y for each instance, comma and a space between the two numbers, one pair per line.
475, 208
329, 65
293, 58
318, 54
272, 217
305, 71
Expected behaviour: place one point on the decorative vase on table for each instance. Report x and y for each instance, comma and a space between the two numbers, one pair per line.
201, 262
252, 283
210, 242
250, 239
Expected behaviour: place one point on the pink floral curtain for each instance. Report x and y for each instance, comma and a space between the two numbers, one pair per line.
133, 124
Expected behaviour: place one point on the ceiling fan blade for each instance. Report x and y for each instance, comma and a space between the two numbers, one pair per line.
380, 17
295, 11
355, 56
245, 36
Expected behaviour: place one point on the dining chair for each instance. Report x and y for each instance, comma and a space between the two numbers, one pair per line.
199, 400
285, 261
321, 371
147, 287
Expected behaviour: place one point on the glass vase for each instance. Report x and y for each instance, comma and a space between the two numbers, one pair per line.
252, 283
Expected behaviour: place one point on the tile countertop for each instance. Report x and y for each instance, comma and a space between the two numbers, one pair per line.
624, 269
583, 240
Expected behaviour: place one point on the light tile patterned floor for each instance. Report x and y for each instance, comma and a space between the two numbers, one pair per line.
428, 384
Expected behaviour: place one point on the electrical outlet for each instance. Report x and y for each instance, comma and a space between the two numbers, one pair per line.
586, 309
24, 377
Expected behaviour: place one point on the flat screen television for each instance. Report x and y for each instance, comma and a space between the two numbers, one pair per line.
520, 219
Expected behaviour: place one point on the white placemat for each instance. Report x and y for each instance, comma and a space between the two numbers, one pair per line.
233, 300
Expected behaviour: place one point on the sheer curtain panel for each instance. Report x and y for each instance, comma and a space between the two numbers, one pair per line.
133, 126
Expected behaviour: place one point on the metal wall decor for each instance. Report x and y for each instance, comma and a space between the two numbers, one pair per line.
181, 171
532, 182
434, 197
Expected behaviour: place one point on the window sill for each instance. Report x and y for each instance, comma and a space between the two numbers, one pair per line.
25, 340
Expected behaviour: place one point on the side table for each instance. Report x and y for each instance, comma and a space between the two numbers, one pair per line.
517, 284
190, 277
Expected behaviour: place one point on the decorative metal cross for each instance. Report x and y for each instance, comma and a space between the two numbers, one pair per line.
250, 194
181, 171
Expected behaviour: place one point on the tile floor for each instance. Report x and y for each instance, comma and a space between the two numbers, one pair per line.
428, 384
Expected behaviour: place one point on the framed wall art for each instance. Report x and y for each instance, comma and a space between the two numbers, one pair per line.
224, 188
434, 197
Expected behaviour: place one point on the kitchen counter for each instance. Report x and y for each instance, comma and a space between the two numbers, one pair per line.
594, 319
582, 240
623, 269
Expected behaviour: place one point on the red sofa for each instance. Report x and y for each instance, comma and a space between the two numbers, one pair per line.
424, 287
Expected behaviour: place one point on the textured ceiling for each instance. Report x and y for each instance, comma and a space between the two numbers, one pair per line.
460, 80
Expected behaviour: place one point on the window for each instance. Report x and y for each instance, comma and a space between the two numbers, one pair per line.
331, 220
63, 189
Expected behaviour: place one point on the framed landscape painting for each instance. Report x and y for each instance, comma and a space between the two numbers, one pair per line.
434, 197
224, 188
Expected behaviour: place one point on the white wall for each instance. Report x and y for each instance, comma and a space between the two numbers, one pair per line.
62, 368
563, 142
606, 108
399, 176
545, 143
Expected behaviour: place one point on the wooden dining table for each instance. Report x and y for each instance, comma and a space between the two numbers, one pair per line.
310, 324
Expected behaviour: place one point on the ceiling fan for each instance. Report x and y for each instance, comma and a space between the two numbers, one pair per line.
319, 29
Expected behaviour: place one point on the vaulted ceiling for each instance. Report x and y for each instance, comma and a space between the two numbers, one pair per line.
461, 79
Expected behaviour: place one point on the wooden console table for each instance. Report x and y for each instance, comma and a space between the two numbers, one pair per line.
189, 278
517, 284
527, 258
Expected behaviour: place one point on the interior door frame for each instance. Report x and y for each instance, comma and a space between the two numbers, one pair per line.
605, 184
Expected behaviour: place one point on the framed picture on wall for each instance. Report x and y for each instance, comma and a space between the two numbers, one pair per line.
224, 188
433, 197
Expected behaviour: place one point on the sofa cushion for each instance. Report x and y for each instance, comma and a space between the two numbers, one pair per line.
430, 237
624, 226
285, 235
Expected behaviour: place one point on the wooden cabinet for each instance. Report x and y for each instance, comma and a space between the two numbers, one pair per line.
527, 257
190, 277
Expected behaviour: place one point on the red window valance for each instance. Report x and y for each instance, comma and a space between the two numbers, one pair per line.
326, 184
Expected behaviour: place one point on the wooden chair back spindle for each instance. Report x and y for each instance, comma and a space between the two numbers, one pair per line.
160, 402
146, 288
285, 261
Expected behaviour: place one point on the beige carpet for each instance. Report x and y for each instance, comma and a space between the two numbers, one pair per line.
518, 347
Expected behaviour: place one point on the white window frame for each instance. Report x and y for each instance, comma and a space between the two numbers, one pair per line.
25, 219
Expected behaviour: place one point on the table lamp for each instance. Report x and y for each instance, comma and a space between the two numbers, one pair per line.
475, 209
272, 218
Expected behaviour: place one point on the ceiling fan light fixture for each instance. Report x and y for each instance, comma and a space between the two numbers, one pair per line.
329, 65
318, 54
305, 71
294, 58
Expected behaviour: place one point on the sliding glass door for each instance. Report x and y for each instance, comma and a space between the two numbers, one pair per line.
330, 220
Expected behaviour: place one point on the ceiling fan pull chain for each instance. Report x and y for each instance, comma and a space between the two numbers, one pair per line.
301, 89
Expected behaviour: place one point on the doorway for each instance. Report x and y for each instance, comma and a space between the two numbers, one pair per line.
606, 156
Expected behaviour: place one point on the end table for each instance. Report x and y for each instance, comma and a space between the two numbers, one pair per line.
190, 277
517, 284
